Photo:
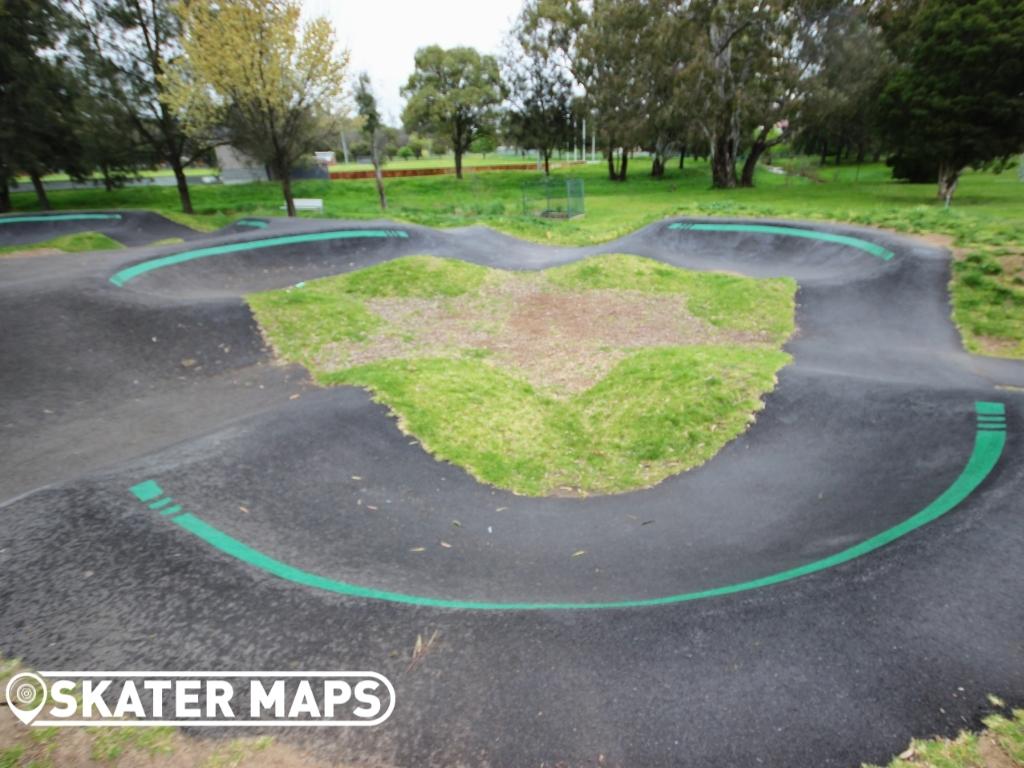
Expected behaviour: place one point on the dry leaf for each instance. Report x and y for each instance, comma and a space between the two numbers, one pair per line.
418, 549
579, 552
446, 545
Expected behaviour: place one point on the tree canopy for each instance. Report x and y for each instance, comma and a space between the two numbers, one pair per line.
453, 94
273, 94
956, 96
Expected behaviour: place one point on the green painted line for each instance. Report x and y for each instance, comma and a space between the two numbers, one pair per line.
172, 510
130, 273
988, 447
147, 490
256, 223
985, 419
769, 229
161, 503
61, 217
990, 409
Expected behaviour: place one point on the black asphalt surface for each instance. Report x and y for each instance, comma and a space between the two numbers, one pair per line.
168, 379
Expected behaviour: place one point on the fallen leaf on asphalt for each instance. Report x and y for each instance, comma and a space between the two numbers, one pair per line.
456, 524
294, 397
244, 509
446, 545
579, 552
418, 549
370, 506
356, 477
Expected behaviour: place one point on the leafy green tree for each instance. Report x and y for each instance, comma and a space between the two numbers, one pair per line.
37, 97
366, 103
272, 95
540, 111
453, 95
129, 45
956, 96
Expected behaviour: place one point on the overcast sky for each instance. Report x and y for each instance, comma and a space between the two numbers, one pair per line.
383, 35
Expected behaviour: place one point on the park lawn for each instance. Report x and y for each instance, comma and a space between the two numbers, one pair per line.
985, 223
73, 243
146, 174
524, 381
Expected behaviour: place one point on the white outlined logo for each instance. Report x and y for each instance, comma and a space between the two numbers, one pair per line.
191, 698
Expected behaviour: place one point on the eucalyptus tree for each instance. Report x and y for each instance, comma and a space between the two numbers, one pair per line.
540, 93
130, 45
453, 95
373, 130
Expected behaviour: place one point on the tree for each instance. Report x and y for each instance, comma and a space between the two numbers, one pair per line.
540, 92
272, 93
956, 95
37, 96
839, 111
366, 103
454, 96
129, 45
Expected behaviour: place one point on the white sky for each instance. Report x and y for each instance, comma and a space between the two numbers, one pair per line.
383, 35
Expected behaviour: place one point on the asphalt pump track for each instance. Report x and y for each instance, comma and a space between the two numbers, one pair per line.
845, 575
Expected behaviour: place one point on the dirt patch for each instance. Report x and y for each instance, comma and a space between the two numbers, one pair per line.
560, 341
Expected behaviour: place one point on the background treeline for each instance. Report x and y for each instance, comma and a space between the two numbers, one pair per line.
109, 87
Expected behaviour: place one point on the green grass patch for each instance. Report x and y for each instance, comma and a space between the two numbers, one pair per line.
999, 745
74, 243
727, 301
659, 411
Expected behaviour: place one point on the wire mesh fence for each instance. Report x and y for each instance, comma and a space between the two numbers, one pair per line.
553, 198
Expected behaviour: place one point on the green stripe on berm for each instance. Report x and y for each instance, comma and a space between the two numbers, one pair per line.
770, 229
130, 273
988, 447
147, 490
61, 217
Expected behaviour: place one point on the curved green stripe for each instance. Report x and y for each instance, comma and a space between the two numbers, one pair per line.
770, 229
130, 273
60, 217
988, 447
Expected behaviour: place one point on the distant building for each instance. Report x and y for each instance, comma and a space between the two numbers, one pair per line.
238, 168
325, 158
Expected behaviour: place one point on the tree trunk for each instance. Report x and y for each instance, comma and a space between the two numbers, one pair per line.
182, 181
723, 163
824, 152
657, 167
5, 194
753, 156
37, 182
612, 175
547, 161
286, 190
624, 165
458, 163
379, 177
948, 178
682, 157
108, 182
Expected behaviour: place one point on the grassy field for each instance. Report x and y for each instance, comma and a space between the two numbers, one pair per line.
986, 222
470, 160
598, 377
154, 174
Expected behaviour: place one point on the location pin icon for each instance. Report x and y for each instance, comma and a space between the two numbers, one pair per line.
23, 691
